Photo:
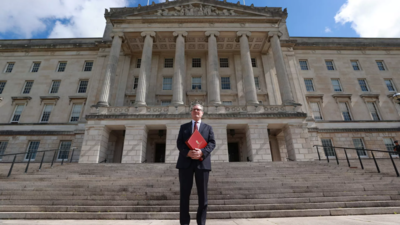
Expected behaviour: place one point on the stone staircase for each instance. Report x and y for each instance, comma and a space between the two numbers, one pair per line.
236, 190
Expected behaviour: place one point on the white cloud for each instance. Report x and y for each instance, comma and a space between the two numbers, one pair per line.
371, 18
328, 30
80, 18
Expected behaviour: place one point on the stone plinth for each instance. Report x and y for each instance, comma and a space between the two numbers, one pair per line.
258, 143
220, 153
298, 143
95, 144
171, 151
135, 144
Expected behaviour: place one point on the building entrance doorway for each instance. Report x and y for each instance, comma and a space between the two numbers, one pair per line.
159, 156
233, 152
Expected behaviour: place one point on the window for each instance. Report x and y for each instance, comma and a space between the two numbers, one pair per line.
76, 112
359, 144
138, 63
32, 150
329, 65
63, 150
35, 67
253, 62
226, 102
336, 85
135, 83
46, 113
373, 110
316, 111
55, 84
381, 65
303, 64
355, 65
9, 67
389, 85
344, 108
88, 66
196, 83
327, 145
309, 84
27, 87
196, 62
363, 85
166, 102
83, 86
3, 146
167, 83
2, 86
61, 66
225, 83
168, 63
257, 83
223, 62
389, 145
17, 113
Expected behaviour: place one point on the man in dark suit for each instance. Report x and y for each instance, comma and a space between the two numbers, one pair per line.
197, 162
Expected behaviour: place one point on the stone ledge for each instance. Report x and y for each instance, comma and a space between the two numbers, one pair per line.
354, 130
36, 132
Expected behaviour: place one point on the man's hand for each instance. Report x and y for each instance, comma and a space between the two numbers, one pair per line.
195, 154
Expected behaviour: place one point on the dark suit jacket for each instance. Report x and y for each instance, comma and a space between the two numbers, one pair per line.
184, 134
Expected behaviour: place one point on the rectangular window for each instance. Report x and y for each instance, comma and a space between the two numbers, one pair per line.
355, 65
55, 84
373, 110
17, 113
328, 147
27, 87
63, 150
46, 113
309, 84
138, 63
329, 65
83, 84
253, 62
363, 85
336, 85
88, 66
226, 102
344, 108
316, 110
35, 67
76, 112
167, 83
389, 85
257, 83
32, 150
166, 102
225, 83
2, 86
359, 144
3, 146
9, 67
389, 145
135, 83
61, 66
168, 63
381, 65
196, 83
223, 62
303, 64
196, 62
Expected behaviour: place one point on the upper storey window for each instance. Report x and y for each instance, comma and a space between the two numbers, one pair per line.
225, 83
138, 63
35, 67
2, 86
61, 66
309, 84
169, 63
9, 67
167, 83
196, 62
329, 65
27, 87
88, 66
223, 62
356, 65
381, 65
303, 64
254, 62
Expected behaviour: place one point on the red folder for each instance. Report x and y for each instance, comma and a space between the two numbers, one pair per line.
196, 141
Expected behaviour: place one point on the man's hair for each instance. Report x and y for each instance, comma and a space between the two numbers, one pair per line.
396, 141
200, 106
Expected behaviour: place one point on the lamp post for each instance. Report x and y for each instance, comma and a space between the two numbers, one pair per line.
397, 97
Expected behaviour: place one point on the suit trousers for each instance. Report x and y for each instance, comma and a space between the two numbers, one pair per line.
186, 184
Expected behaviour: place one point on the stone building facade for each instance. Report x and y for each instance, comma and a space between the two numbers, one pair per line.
269, 97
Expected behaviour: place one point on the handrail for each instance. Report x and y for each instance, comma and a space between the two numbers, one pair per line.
358, 155
29, 154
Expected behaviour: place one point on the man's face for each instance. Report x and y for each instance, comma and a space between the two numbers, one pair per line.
197, 113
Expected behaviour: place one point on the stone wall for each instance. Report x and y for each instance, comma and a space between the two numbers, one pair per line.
298, 143
258, 142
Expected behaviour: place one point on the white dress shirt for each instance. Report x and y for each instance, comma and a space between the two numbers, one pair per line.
198, 125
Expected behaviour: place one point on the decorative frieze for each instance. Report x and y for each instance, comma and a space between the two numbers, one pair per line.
191, 10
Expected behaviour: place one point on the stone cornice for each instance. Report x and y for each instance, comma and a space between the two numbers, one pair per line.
318, 43
36, 132
206, 116
354, 130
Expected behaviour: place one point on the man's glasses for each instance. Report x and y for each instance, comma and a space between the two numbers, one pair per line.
196, 110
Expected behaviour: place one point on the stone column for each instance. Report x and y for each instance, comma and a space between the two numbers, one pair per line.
107, 31
145, 68
95, 144
220, 153
171, 151
111, 69
179, 68
283, 78
258, 142
213, 79
298, 143
247, 69
135, 144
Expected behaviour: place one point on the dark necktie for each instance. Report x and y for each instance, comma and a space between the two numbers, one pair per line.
195, 126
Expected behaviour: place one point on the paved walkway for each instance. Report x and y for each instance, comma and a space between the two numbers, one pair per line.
330, 220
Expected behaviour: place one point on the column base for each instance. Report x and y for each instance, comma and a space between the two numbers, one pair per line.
140, 104
101, 104
291, 103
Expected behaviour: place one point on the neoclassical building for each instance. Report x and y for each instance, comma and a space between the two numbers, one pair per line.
121, 98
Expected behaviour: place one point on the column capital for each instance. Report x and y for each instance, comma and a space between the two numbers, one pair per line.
148, 33
241, 33
211, 32
177, 33
118, 34
273, 33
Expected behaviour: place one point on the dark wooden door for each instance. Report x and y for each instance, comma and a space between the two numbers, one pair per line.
160, 153
233, 151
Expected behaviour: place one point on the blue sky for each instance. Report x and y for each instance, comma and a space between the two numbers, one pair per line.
316, 18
